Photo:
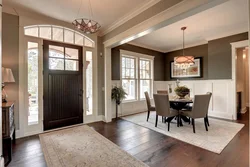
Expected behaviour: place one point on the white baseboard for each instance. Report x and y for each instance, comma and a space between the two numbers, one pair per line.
94, 119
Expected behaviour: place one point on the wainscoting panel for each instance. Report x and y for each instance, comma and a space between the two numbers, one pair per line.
221, 104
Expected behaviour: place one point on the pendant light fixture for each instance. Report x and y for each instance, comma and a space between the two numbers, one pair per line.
184, 61
87, 26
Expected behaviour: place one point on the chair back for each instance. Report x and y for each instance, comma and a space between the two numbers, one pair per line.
209, 93
162, 105
162, 92
147, 100
200, 106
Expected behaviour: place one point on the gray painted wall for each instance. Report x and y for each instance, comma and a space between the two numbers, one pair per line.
159, 65
10, 57
217, 57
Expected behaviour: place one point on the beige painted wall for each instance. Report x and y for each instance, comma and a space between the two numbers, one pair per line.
10, 58
243, 76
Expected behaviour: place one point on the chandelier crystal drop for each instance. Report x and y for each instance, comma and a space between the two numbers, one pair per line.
184, 61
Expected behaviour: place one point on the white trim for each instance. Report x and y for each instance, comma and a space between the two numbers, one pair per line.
135, 54
234, 46
128, 16
63, 28
146, 46
107, 84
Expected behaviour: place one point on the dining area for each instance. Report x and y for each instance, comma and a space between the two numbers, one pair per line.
179, 108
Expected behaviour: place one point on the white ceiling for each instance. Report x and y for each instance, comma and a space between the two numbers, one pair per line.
106, 12
223, 20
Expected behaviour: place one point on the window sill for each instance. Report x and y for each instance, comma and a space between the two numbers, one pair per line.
133, 101
129, 101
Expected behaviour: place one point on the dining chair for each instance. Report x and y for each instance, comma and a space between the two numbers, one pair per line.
163, 92
199, 109
162, 107
210, 93
150, 107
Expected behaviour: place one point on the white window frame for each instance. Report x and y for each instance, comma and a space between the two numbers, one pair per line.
138, 57
135, 76
63, 28
150, 78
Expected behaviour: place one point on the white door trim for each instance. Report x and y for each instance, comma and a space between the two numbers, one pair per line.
235, 46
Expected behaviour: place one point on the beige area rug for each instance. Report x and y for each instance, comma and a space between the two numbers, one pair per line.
82, 146
219, 133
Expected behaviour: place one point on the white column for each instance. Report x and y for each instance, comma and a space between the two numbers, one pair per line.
108, 104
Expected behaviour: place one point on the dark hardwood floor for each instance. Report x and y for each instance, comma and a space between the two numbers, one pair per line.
151, 147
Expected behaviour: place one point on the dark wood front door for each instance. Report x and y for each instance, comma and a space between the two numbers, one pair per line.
62, 76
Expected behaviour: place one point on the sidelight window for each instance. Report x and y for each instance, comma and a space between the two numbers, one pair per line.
89, 83
33, 83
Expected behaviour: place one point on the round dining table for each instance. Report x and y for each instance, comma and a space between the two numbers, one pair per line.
179, 104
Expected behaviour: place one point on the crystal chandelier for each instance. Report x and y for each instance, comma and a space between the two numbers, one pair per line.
87, 26
184, 62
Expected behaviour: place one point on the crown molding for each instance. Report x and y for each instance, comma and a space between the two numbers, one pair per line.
187, 46
127, 17
146, 47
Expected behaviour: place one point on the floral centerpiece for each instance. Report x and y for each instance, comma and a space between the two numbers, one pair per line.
182, 91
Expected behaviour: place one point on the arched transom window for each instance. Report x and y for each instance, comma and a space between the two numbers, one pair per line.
57, 33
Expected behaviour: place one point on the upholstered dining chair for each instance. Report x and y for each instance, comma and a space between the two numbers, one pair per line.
199, 109
150, 107
162, 107
163, 92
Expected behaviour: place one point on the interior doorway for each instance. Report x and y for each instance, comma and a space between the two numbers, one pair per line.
242, 80
63, 84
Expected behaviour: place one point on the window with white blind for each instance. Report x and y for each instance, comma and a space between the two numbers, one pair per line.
129, 81
136, 74
145, 77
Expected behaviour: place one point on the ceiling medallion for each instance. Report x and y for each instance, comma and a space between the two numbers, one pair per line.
184, 61
87, 26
